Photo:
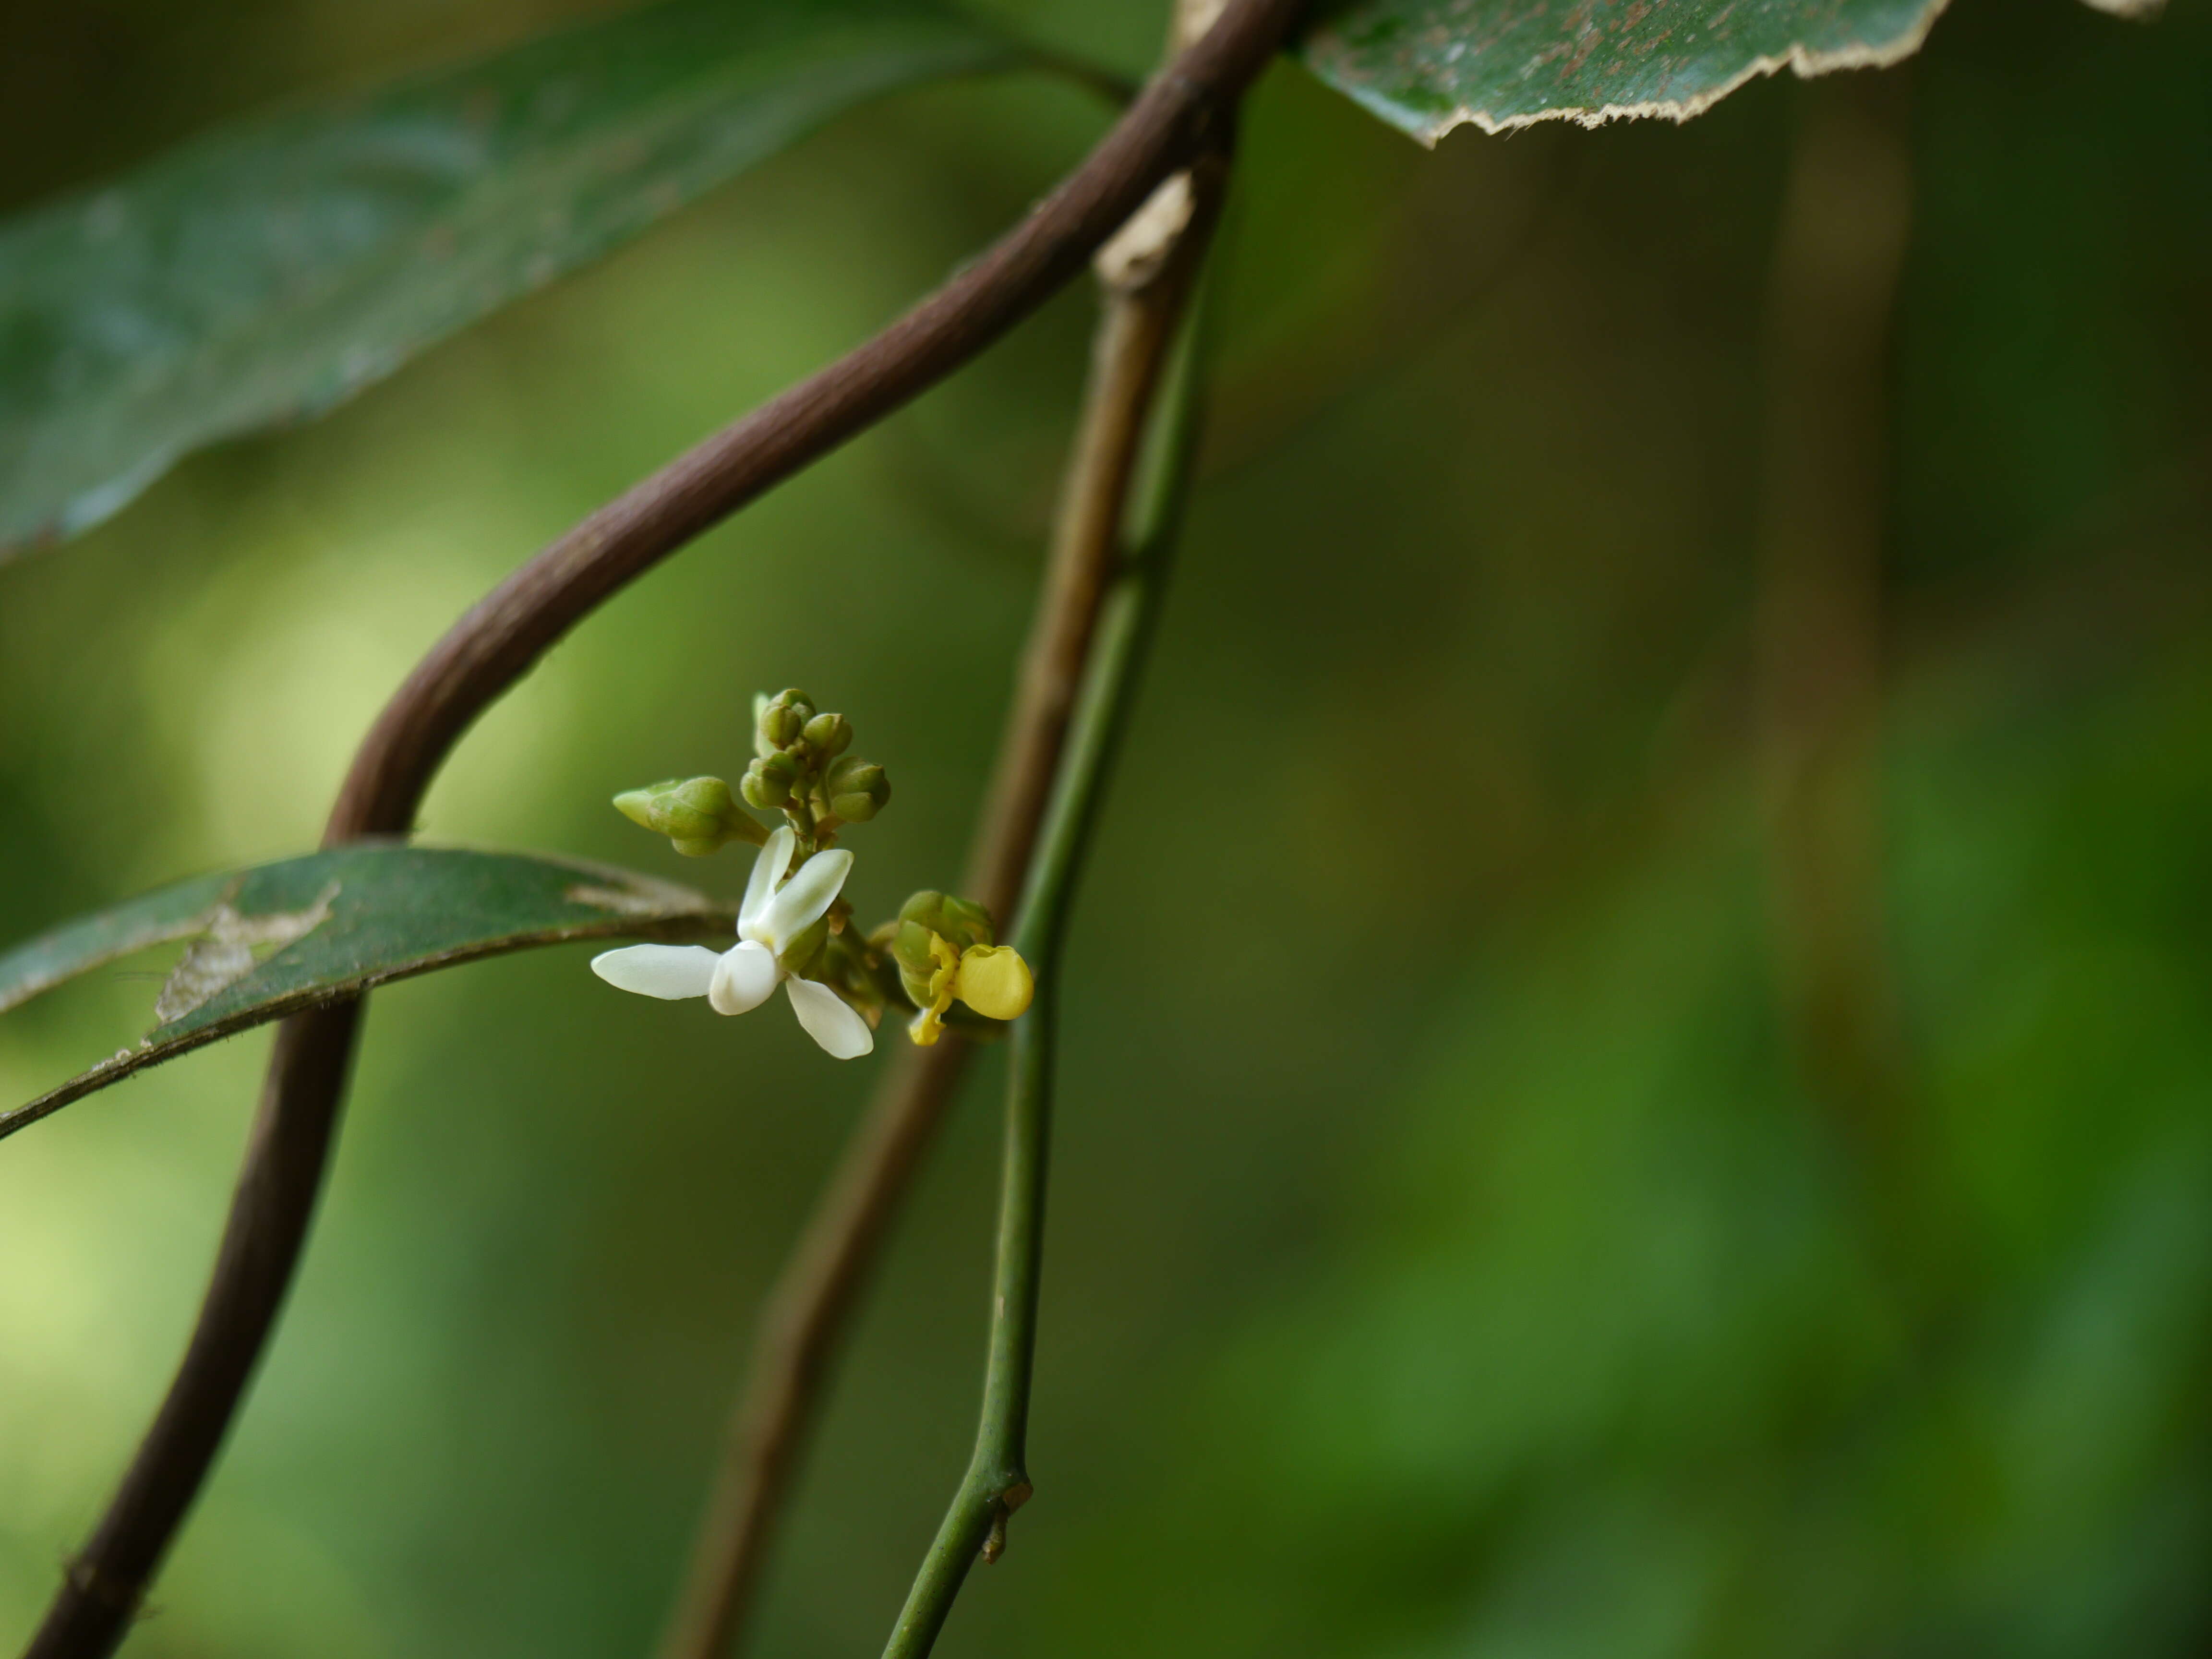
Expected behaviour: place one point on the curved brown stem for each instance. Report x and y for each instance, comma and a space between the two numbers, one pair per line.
492, 646
495, 643
807, 1310
268, 1215
1839, 258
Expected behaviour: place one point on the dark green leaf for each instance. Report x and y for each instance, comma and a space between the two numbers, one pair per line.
1430, 65
270, 270
270, 941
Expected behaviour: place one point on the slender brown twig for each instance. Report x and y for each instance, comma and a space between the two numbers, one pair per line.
1146, 278
492, 646
1136, 329
1838, 256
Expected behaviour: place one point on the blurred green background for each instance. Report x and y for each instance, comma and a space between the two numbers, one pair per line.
1451, 1252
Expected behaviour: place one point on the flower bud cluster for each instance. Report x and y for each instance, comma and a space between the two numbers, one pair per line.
801, 769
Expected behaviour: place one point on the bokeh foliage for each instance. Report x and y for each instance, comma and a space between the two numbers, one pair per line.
271, 269
1448, 1255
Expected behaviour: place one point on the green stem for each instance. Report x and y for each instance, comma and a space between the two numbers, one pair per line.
997, 1481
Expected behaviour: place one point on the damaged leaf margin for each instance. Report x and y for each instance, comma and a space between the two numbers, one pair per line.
1427, 66
285, 937
223, 954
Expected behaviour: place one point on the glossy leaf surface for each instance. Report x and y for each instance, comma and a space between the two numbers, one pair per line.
267, 271
270, 941
1427, 66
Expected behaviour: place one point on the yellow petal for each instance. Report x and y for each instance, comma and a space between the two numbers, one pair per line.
945, 975
995, 982
929, 1024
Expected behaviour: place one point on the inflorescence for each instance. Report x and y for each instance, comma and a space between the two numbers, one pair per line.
795, 927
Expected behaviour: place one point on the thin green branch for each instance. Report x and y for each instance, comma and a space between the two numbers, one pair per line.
1110, 500
1126, 622
997, 1482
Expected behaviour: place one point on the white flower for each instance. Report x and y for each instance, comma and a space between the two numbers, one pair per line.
774, 913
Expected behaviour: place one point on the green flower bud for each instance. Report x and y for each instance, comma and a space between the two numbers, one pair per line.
792, 697
960, 923
829, 734
708, 797
637, 805
768, 782
965, 923
762, 746
910, 934
782, 726
857, 789
910, 950
697, 814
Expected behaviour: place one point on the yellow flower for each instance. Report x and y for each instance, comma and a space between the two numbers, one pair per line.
992, 979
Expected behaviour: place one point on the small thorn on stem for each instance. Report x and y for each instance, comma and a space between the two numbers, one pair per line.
1013, 1498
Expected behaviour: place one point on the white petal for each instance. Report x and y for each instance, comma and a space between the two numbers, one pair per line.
799, 902
668, 971
829, 1019
744, 975
768, 865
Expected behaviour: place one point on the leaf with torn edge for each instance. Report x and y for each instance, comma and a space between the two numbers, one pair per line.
223, 954
270, 941
269, 271
1427, 66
